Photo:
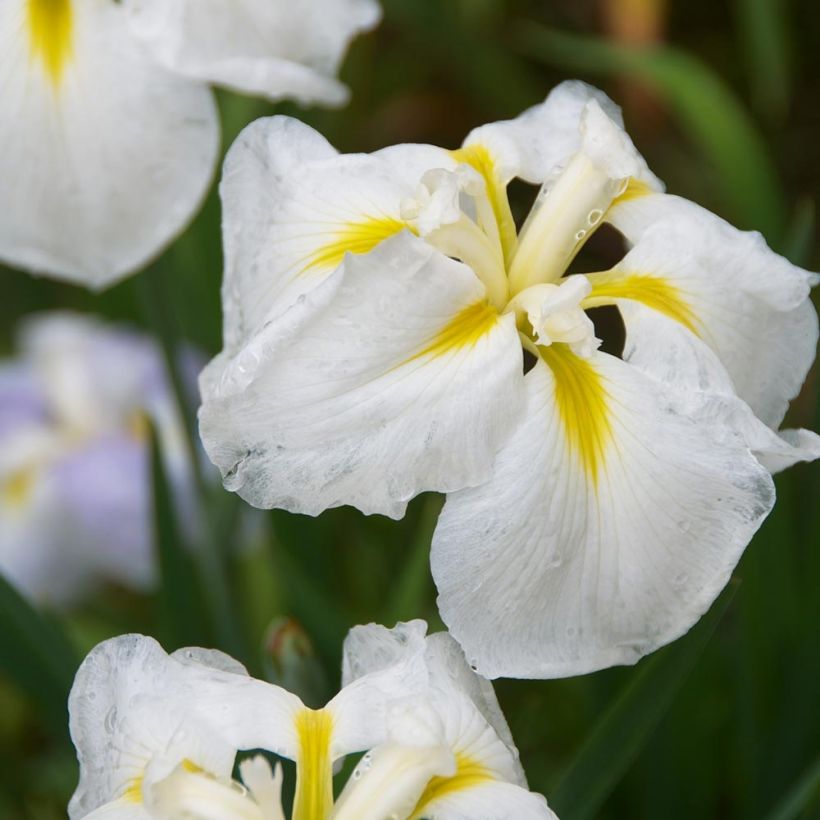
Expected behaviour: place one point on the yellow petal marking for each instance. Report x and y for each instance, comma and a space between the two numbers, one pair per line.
480, 159
634, 190
653, 291
314, 765
354, 237
133, 794
463, 330
469, 773
50, 24
583, 406
17, 489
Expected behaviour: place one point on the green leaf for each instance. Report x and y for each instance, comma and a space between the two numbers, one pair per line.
705, 107
627, 725
183, 620
797, 244
763, 25
415, 583
800, 797
35, 655
494, 79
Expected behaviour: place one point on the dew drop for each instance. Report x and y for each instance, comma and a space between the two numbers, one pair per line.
594, 216
110, 719
580, 235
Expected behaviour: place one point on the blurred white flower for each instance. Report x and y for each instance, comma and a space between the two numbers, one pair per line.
75, 484
377, 311
157, 736
110, 133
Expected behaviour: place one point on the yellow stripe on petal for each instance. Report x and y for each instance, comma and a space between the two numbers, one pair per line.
469, 773
17, 490
653, 291
50, 24
133, 794
480, 159
463, 330
314, 766
355, 237
634, 190
583, 406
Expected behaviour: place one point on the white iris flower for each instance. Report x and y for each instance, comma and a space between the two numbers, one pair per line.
377, 310
75, 486
109, 131
157, 736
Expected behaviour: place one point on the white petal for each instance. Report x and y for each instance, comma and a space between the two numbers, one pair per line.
391, 781
380, 666
473, 724
267, 47
21, 397
595, 544
124, 714
665, 349
137, 713
265, 785
393, 377
95, 377
104, 487
450, 673
490, 800
748, 304
209, 658
292, 207
105, 155
43, 551
373, 648
534, 145
122, 809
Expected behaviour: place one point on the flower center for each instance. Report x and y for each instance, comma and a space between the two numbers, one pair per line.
549, 313
453, 211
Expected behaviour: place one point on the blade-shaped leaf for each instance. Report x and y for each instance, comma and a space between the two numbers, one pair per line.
800, 797
626, 726
183, 621
764, 28
35, 654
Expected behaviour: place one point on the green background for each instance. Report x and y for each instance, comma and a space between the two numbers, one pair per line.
722, 99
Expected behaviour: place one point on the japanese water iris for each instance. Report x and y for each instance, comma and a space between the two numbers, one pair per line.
109, 131
378, 309
75, 487
157, 736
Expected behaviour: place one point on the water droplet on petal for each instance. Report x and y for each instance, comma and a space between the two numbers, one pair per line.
110, 720
594, 216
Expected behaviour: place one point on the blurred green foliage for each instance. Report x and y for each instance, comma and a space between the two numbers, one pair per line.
722, 100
